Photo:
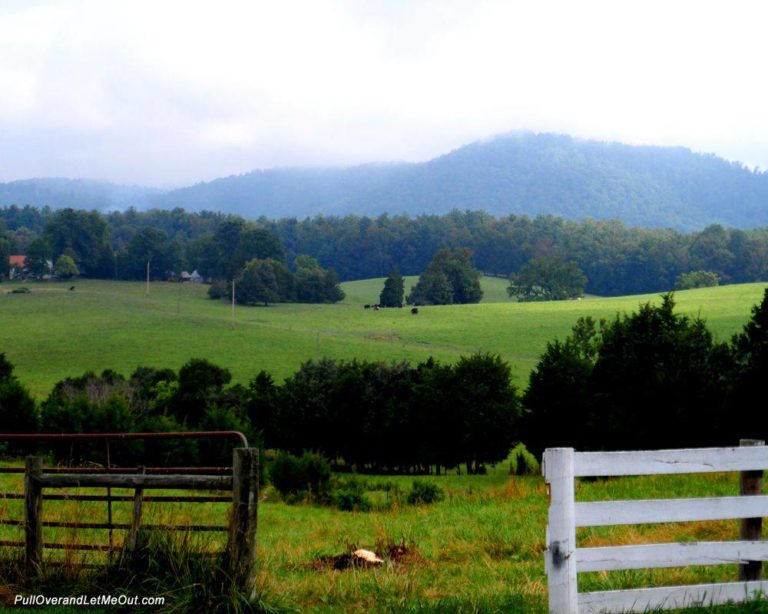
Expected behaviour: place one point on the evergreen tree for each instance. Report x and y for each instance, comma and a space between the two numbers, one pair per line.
18, 411
392, 294
651, 379
750, 354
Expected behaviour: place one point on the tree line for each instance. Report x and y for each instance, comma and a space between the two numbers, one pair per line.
614, 258
649, 379
370, 416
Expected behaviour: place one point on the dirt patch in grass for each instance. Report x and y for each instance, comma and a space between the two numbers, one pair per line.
394, 554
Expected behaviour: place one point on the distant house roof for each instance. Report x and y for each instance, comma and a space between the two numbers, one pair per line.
17, 261
185, 275
195, 275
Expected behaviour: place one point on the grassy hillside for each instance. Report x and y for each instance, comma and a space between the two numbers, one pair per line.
366, 291
53, 333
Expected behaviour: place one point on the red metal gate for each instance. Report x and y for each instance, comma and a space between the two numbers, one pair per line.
107, 467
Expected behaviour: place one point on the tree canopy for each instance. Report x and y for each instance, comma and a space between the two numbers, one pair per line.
547, 279
449, 278
65, 267
650, 379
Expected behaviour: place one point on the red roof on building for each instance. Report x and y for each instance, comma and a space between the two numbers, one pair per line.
18, 261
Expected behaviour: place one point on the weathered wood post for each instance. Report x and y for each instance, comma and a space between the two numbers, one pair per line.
138, 501
561, 531
241, 547
33, 514
751, 529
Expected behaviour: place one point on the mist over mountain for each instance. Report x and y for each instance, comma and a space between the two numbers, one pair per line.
59, 193
521, 173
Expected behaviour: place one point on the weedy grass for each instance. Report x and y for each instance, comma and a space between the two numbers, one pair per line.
480, 549
53, 333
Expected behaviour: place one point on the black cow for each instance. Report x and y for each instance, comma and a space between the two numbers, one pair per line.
415, 310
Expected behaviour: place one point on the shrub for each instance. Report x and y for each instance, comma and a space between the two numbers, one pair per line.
425, 492
310, 474
219, 289
349, 496
522, 461
21, 290
317, 473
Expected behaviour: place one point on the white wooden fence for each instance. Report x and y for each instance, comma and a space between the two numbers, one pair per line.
564, 560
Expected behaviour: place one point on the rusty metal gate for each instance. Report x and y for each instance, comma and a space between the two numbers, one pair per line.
107, 467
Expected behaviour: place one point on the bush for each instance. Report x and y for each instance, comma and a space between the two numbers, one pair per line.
349, 496
317, 473
219, 289
21, 290
308, 475
522, 461
425, 492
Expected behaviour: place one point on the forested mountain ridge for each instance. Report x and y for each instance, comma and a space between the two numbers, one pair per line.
524, 173
521, 173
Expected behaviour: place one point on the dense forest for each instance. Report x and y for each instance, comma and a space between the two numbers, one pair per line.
615, 258
521, 174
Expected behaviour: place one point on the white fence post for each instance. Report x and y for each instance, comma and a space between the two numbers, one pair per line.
560, 556
751, 529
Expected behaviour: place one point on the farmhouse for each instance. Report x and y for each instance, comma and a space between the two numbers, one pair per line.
16, 266
194, 277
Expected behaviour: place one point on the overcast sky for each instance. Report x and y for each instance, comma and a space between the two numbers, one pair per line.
167, 93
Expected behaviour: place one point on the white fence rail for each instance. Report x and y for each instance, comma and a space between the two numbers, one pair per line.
564, 560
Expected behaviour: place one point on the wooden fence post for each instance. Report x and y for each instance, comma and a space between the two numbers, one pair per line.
751, 529
138, 500
33, 514
560, 556
241, 547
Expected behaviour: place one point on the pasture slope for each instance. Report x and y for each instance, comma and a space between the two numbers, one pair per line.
53, 333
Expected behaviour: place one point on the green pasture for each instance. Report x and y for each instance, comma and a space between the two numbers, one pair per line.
479, 550
53, 332
367, 291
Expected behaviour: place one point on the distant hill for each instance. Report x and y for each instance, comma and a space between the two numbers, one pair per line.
522, 173
59, 193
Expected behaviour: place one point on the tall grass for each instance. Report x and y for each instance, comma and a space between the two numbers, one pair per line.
480, 549
180, 567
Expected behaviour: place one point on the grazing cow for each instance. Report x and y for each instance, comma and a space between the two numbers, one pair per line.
366, 306
71, 288
375, 307
415, 310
